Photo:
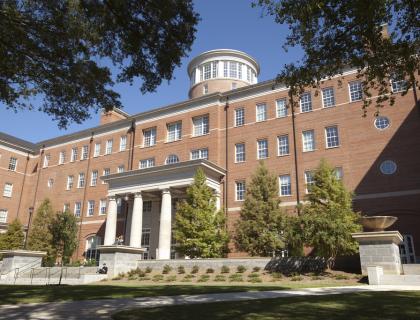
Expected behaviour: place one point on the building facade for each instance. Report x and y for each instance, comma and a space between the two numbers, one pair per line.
125, 176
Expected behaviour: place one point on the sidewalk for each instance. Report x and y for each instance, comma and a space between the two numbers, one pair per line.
103, 309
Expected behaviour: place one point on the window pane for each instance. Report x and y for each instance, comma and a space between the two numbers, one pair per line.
240, 152
283, 142
331, 134
281, 108
262, 149
306, 102
285, 185
355, 91
328, 98
239, 117
308, 140
240, 190
261, 112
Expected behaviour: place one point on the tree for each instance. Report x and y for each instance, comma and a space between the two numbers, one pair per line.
59, 51
64, 235
199, 229
260, 229
13, 238
337, 35
328, 220
40, 237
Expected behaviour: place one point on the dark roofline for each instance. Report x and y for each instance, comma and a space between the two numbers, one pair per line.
16, 143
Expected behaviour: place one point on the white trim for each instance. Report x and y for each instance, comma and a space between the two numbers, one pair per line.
18, 151
387, 194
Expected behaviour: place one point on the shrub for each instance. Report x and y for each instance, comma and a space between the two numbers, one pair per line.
210, 270
181, 269
241, 269
195, 269
188, 278
204, 278
220, 278
132, 277
148, 270
253, 275
166, 269
90, 263
296, 278
135, 272
276, 276
341, 277
316, 278
171, 278
157, 277
256, 269
294, 274
225, 269
117, 278
255, 279
235, 277
144, 278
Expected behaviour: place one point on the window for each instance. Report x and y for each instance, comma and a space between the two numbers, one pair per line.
119, 205
381, 123
147, 163
94, 178
66, 207
123, 143
239, 117
172, 158
81, 182
77, 208
240, 190
73, 156
97, 150
240, 152
200, 154
174, 131
149, 137
108, 146
91, 208
248, 74
214, 66
398, 85
355, 89
261, 112
8, 189
283, 144
309, 181
69, 182
3, 216
12, 164
388, 167
201, 125
233, 69
107, 172
145, 242
262, 149
92, 253
102, 206
308, 140
120, 169
147, 206
205, 88
47, 158
62, 157
206, 70
306, 102
331, 137
407, 250
225, 69
281, 108
85, 153
338, 172
50, 183
285, 185
328, 99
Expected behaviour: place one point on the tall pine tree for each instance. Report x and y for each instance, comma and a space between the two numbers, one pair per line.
13, 238
40, 237
328, 219
199, 229
260, 229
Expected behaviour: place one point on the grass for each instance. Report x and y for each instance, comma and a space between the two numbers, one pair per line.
355, 306
14, 294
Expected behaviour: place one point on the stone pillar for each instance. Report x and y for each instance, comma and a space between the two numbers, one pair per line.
165, 226
111, 222
23, 260
379, 249
128, 221
136, 221
217, 198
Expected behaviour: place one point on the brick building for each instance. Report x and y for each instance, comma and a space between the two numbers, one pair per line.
125, 176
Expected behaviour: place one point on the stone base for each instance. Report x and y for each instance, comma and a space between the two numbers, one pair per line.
379, 249
19, 259
119, 258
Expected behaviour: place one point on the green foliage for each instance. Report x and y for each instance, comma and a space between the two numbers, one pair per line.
338, 35
171, 278
195, 269
225, 269
64, 235
256, 269
204, 278
148, 270
157, 277
254, 278
276, 276
220, 278
199, 228
181, 269
296, 278
328, 219
210, 270
40, 237
258, 231
241, 269
188, 278
14, 237
166, 269
236, 277
61, 44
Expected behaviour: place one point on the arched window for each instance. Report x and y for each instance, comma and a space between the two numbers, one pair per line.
92, 253
172, 158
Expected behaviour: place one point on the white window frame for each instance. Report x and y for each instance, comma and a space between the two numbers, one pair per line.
66, 207
332, 141
146, 163
81, 182
62, 157
261, 112
305, 102
355, 95
77, 209
379, 120
123, 143
281, 108
240, 190
201, 125
106, 172
102, 207
8, 190
262, 147
97, 150
85, 152
3, 215
281, 146
50, 183
120, 168
239, 117
285, 186
94, 178
171, 159
13, 164
149, 137
174, 131
108, 146
240, 155
328, 97
308, 145
202, 153
398, 85
90, 208
339, 173
70, 182
73, 156
46, 162
309, 180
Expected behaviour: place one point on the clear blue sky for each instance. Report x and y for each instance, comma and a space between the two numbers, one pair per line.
231, 24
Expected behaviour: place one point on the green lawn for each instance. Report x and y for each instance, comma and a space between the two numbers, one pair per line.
25, 294
356, 306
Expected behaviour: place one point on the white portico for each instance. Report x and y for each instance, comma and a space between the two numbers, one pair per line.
165, 185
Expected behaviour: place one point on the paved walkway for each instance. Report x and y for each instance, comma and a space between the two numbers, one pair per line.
103, 309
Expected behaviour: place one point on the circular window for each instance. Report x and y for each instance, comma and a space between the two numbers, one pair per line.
381, 123
388, 167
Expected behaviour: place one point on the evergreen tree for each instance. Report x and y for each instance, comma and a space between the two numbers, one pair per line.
40, 237
328, 219
14, 238
260, 229
64, 235
199, 229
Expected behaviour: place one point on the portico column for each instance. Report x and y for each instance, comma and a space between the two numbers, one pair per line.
165, 226
136, 221
111, 222
128, 221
